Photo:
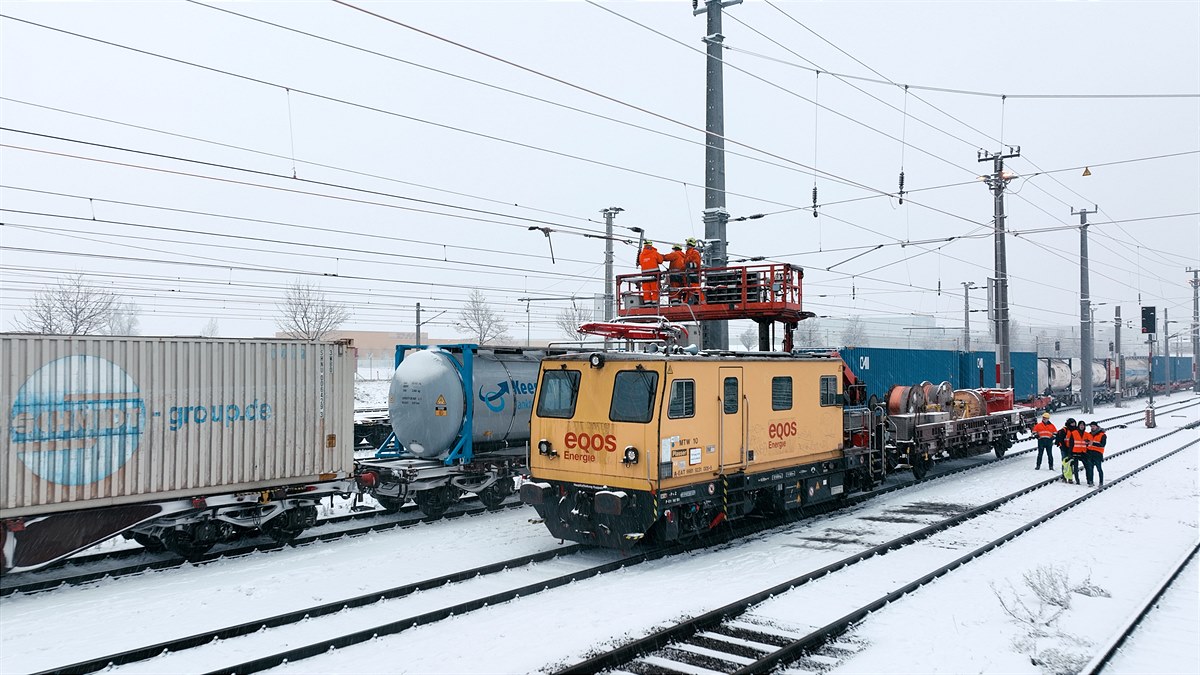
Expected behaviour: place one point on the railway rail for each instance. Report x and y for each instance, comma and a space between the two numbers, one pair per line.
721, 640
397, 625
1109, 650
94, 567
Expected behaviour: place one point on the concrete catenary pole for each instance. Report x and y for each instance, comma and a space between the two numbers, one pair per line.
417, 342
1195, 329
1120, 360
1085, 314
967, 286
1166, 353
714, 334
996, 183
609, 292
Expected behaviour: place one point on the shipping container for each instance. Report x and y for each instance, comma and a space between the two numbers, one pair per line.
881, 368
104, 421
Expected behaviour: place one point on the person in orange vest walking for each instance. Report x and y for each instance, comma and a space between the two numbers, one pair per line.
1045, 432
649, 260
1078, 440
675, 272
1095, 453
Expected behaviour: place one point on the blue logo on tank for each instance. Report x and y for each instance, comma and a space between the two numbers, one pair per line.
77, 420
494, 400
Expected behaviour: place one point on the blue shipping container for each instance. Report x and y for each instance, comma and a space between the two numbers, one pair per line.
880, 368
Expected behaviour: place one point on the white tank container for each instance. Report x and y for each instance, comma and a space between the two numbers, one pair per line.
101, 421
428, 407
1053, 375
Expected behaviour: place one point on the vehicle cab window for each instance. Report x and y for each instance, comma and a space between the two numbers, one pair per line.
633, 396
558, 394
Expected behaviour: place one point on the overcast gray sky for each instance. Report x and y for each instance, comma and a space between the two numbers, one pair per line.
369, 135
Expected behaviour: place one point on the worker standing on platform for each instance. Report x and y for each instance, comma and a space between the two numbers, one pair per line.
675, 272
1045, 432
692, 263
649, 260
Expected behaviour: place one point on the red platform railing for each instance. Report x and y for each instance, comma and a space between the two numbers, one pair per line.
770, 292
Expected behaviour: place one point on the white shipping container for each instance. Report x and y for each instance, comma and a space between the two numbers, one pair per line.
99, 421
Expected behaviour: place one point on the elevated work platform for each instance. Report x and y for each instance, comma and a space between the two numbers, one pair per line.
764, 293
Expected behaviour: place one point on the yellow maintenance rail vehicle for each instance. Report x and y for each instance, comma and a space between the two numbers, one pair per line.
665, 446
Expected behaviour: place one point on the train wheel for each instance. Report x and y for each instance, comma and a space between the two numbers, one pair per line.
284, 528
150, 543
493, 495
1000, 448
434, 502
920, 466
189, 542
389, 504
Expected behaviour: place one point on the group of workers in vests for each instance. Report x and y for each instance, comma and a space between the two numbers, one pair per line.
1078, 443
683, 273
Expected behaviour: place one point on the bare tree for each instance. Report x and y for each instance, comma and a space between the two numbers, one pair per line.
749, 338
211, 329
479, 321
570, 318
306, 314
69, 307
124, 319
807, 334
854, 335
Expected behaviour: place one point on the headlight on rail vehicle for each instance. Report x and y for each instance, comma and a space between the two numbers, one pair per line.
544, 448
596, 360
631, 455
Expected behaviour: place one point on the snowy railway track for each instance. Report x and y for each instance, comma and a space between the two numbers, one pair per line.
98, 566
1114, 645
288, 618
729, 640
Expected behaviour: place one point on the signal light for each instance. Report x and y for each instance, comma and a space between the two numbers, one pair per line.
1149, 319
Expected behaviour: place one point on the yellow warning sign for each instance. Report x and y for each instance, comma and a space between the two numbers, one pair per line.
439, 406
441, 400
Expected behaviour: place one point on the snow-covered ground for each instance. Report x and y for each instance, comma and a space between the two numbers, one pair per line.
1122, 540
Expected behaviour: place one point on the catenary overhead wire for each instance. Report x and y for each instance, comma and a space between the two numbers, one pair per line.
1002, 96
501, 270
436, 124
775, 85
489, 85
299, 160
411, 118
312, 228
309, 181
391, 113
907, 87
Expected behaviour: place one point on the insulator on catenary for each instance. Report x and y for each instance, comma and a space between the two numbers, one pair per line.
902, 186
814, 201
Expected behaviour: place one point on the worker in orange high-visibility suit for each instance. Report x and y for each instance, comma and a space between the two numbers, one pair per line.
649, 259
1078, 440
692, 263
675, 263
1045, 431
1095, 453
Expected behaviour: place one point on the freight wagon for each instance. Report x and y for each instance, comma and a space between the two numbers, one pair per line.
174, 442
459, 419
